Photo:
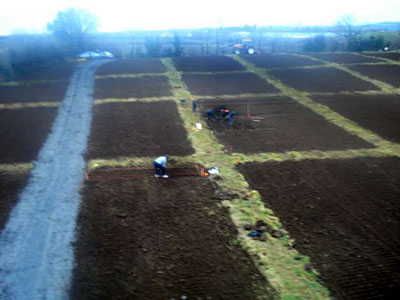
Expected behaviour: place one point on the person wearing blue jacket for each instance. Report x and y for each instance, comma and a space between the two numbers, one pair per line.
160, 166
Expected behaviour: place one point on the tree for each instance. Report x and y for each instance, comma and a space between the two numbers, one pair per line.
72, 26
315, 44
372, 43
345, 28
153, 46
178, 45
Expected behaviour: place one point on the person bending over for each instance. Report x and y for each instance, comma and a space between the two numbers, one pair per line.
160, 166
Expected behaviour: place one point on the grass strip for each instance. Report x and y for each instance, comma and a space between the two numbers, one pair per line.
17, 168
121, 100
273, 257
23, 105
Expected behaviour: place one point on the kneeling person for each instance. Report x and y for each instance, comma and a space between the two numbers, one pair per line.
160, 164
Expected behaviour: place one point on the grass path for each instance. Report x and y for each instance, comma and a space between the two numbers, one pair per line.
273, 257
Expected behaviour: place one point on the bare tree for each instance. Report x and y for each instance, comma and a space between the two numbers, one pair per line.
345, 28
72, 26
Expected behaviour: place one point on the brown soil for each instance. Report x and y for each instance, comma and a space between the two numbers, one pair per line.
227, 84
132, 66
254, 106
38, 92
10, 186
386, 73
280, 127
107, 173
388, 55
322, 80
377, 113
268, 60
23, 131
344, 214
137, 129
159, 239
344, 58
56, 72
207, 64
147, 86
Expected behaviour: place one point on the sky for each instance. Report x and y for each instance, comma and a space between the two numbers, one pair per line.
27, 16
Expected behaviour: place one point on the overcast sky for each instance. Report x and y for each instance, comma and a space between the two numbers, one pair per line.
120, 15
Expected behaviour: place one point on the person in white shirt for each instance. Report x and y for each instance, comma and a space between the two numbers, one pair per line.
160, 164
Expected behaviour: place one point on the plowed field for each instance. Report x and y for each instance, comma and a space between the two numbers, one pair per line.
159, 239
132, 66
10, 187
56, 72
268, 60
344, 214
137, 129
322, 80
377, 113
207, 64
147, 86
23, 131
344, 58
227, 84
280, 127
36, 92
391, 55
386, 73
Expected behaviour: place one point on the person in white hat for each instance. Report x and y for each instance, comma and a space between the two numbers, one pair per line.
160, 166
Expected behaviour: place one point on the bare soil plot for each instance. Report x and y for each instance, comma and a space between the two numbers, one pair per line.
174, 170
147, 86
59, 71
132, 66
279, 125
322, 80
207, 64
344, 214
137, 129
344, 58
159, 239
386, 73
254, 106
10, 186
388, 55
23, 131
270, 60
379, 113
227, 84
36, 92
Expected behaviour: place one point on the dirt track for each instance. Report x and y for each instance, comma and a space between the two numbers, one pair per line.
36, 256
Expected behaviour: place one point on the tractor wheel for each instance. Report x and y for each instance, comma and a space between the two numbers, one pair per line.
251, 50
236, 51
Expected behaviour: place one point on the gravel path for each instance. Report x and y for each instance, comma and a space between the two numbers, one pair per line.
36, 250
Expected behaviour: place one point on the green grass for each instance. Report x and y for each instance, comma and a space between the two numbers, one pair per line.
272, 257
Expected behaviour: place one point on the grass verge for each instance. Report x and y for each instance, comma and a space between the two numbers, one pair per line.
272, 256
